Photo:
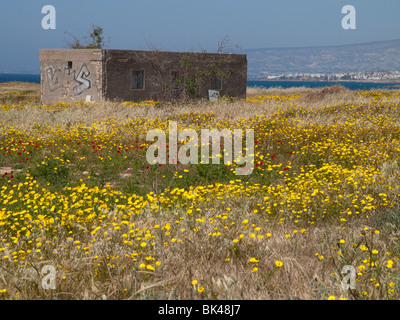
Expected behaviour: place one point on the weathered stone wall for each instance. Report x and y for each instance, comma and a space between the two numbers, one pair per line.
70, 75
159, 66
73, 74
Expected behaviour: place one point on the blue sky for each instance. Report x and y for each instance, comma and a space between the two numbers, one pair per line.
180, 25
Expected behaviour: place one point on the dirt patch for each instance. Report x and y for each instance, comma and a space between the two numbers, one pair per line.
4, 170
126, 174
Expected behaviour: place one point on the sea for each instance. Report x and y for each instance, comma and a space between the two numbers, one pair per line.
35, 78
319, 84
6, 77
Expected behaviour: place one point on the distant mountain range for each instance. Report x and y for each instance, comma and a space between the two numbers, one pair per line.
364, 57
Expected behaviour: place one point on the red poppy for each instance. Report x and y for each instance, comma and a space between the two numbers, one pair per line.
273, 156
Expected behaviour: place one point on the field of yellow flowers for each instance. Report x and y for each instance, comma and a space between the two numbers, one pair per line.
78, 198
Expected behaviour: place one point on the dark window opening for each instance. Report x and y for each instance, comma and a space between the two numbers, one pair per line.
138, 80
216, 83
69, 65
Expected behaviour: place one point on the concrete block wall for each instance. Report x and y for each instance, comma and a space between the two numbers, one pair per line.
70, 75
74, 74
158, 67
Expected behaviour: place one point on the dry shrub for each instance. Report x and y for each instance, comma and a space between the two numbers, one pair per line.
254, 92
335, 92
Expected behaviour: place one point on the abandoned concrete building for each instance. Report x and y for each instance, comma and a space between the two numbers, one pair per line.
126, 75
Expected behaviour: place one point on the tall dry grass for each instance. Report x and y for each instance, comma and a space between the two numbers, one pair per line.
309, 249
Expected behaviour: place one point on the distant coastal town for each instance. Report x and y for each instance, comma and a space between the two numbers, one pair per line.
380, 76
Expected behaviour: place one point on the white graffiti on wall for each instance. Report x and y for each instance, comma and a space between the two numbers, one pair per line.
84, 83
57, 77
54, 76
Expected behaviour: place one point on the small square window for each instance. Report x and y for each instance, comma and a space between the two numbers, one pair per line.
69, 65
216, 83
137, 79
